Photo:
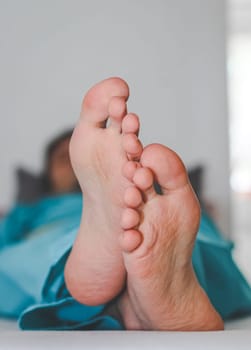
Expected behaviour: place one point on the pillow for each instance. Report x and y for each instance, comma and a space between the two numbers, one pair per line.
196, 175
30, 187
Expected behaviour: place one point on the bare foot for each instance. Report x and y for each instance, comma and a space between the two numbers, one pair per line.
102, 142
162, 290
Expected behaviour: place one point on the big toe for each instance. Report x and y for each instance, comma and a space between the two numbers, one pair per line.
168, 168
95, 106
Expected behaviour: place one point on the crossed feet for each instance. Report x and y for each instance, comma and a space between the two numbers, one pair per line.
132, 240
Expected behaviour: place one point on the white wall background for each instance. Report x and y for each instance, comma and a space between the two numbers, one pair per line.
172, 53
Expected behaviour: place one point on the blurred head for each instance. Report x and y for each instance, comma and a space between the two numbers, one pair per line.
58, 170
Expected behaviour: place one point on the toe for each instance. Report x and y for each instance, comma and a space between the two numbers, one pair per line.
117, 111
132, 146
168, 168
96, 102
130, 218
130, 124
132, 197
130, 240
129, 169
144, 180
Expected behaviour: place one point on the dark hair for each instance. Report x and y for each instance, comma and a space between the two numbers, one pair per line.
53, 144
49, 150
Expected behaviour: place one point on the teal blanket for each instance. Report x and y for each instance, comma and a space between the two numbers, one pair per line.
35, 242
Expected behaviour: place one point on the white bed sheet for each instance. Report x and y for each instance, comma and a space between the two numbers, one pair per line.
236, 336
7, 325
227, 340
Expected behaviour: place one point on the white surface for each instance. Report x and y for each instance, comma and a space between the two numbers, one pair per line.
171, 52
7, 325
236, 336
229, 340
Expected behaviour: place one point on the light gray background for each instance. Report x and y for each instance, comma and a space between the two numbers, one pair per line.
172, 53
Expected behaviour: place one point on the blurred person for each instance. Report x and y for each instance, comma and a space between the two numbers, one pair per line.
58, 172
57, 184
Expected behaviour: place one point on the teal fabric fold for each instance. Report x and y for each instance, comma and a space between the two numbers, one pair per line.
27, 220
67, 314
217, 272
26, 260
32, 286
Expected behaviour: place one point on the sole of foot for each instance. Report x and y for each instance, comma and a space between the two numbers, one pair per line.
104, 140
159, 234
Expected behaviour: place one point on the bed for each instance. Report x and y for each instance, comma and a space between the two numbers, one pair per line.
236, 336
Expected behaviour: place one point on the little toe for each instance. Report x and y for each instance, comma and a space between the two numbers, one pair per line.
132, 146
116, 111
96, 102
130, 240
130, 124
